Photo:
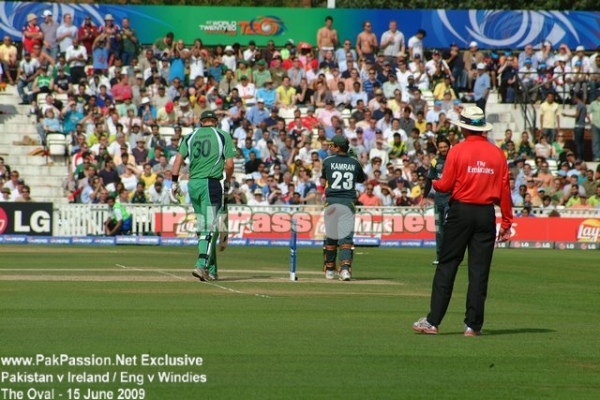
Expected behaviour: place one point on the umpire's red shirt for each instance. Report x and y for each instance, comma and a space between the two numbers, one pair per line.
476, 172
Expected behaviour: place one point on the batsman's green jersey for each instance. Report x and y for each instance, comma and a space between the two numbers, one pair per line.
207, 148
435, 172
441, 202
342, 173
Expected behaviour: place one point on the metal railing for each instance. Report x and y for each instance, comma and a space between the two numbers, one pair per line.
526, 104
88, 219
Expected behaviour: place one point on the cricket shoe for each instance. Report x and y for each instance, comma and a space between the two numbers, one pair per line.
422, 326
345, 275
436, 262
202, 274
471, 332
329, 274
213, 277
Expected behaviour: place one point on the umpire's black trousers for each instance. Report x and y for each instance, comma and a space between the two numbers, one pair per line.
472, 226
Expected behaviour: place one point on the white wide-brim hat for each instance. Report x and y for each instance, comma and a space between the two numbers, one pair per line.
473, 119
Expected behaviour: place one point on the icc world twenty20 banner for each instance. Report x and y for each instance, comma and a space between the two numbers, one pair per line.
492, 29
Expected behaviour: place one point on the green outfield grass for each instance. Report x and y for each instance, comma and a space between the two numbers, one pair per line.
264, 337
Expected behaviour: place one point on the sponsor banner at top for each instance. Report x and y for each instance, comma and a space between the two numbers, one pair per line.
491, 29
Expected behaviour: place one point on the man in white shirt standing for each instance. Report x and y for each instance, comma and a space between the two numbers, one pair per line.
77, 58
415, 43
392, 42
66, 33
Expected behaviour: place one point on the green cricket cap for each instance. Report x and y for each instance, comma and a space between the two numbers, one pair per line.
340, 141
207, 115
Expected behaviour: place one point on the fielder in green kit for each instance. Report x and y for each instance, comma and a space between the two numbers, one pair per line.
209, 151
342, 173
441, 200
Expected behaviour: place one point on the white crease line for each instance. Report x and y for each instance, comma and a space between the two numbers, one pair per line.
183, 279
236, 291
159, 271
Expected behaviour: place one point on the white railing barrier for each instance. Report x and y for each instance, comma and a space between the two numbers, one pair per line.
88, 219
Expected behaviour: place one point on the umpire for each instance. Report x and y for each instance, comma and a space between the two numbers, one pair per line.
476, 175
342, 173
210, 152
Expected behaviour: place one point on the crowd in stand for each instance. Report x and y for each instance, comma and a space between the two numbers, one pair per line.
125, 108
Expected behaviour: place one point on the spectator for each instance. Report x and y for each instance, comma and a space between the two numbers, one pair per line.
100, 52
543, 148
42, 83
562, 76
247, 91
581, 116
50, 124
77, 57
277, 71
129, 42
17, 191
588, 184
267, 93
65, 33
525, 148
8, 60
122, 93
28, 72
286, 94
162, 165
139, 196
368, 198
50, 30
147, 176
24, 195
578, 201
594, 116
5, 195
158, 194
32, 33
109, 174
594, 201
86, 33
508, 79
258, 199
129, 177
112, 33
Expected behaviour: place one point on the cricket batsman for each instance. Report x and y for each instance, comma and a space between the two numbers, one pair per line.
342, 173
210, 151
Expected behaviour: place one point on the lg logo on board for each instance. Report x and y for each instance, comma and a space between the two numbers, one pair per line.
25, 219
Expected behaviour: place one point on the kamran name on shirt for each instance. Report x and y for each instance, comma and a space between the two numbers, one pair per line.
343, 167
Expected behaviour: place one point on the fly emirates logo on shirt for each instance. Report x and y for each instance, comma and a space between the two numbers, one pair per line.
480, 168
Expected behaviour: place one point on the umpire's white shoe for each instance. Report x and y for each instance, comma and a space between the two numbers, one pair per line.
345, 275
329, 274
202, 274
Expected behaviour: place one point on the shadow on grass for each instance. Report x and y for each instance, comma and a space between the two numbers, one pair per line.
494, 332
